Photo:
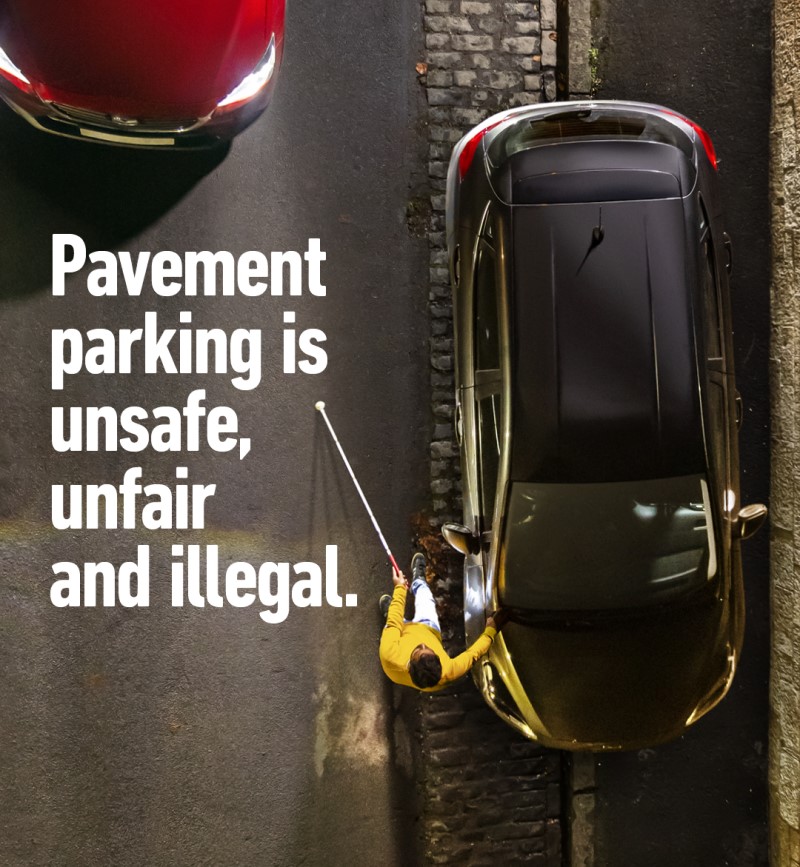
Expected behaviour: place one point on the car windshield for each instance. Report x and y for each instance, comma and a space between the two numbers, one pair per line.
607, 546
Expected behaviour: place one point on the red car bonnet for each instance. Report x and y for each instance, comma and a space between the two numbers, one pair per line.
153, 58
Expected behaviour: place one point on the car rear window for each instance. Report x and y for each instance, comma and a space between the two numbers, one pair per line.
608, 546
583, 124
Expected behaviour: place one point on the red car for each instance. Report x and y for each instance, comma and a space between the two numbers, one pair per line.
156, 73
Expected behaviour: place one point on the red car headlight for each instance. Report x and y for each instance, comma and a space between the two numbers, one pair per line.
10, 70
251, 85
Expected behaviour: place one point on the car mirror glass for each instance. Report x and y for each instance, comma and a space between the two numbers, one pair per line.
751, 518
461, 538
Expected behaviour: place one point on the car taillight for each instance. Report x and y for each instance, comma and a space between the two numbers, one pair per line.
9, 70
467, 154
704, 137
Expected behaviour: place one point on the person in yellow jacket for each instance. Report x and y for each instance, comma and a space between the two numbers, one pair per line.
411, 652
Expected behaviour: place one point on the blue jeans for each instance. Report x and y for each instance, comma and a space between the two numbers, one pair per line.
424, 605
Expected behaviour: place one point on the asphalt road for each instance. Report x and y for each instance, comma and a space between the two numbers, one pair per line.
703, 800
185, 735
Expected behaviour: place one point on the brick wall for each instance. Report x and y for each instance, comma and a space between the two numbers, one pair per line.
784, 735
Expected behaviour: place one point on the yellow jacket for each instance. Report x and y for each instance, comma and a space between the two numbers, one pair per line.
400, 638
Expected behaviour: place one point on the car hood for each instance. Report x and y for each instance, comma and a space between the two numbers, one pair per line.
149, 59
619, 683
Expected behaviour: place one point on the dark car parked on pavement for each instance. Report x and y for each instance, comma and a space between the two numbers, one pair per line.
598, 418
154, 74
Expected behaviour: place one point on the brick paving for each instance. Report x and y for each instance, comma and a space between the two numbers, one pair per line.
481, 58
487, 795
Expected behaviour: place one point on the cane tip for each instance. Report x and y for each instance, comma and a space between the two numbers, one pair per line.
319, 405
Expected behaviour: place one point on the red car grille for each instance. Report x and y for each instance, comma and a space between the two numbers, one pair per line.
127, 124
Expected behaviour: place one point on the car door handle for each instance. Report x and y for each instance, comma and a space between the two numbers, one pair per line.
459, 421
726, 240
739, 411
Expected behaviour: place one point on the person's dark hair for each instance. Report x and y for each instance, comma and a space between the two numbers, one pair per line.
425, 670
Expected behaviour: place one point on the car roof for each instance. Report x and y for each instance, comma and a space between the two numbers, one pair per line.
604, 384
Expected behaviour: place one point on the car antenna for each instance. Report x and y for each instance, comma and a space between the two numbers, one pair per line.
598, 233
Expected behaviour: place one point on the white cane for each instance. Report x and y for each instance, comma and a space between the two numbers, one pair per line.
320, 407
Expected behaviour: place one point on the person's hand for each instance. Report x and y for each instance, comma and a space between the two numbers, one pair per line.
497, 619
399, 579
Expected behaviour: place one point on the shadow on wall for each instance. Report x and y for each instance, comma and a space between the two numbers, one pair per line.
104, 194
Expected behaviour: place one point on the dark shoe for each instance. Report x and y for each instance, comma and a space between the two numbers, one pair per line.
418, 567
383, 603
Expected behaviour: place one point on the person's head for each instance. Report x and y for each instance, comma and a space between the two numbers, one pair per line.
425, 667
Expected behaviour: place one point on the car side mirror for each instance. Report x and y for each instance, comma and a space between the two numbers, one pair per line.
461, 538
750, 519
